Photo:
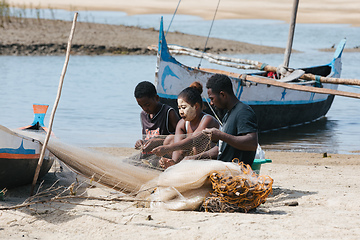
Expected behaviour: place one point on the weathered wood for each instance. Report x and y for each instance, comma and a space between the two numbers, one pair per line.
214, 56
41, 159
263, 80
295, 75
175, 49
332, 80
217, 59
291, 34
312, 77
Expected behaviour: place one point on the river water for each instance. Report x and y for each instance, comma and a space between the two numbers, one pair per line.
97, 107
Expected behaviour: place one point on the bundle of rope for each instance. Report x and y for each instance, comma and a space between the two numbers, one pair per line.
239, 193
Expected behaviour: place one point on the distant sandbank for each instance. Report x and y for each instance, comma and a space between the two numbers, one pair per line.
320, 11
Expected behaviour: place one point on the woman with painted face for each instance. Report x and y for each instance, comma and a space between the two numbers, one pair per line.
193, 121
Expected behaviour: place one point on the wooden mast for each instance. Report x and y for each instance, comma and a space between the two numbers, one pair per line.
291, 34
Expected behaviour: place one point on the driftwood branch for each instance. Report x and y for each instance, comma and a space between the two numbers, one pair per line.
63, 194
64, 198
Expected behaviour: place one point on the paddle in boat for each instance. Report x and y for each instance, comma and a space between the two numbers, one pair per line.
19, 154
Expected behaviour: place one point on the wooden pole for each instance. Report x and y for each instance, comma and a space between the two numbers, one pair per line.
214, 58
312, 77
41, 159
297, 87
251, 64
291, 34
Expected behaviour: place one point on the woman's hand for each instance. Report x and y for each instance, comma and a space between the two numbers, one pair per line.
139, 144
152, 143
166, 162
160, 151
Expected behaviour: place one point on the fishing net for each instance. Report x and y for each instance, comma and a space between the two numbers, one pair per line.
212, 185
193, 145
239, 193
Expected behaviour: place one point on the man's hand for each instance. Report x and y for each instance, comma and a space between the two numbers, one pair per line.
152, 143
213, 133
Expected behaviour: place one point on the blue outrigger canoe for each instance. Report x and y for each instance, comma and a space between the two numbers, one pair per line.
19, 154
275, 107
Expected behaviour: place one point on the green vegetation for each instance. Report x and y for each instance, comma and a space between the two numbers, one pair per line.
4, 12
9, 14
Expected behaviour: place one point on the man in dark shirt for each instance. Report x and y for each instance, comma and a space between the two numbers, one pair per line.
238, 135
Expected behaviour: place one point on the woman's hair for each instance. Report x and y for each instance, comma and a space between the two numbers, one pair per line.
192, 94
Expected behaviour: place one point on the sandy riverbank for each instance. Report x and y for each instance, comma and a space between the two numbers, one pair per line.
326, 190
49, 37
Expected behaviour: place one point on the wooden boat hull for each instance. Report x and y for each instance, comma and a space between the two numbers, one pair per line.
271, 117
19, 156
275, 107
18, 172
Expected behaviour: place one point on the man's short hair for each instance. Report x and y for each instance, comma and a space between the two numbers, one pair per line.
218, 83
145, 89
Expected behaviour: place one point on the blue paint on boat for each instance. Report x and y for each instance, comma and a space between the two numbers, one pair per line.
19, 150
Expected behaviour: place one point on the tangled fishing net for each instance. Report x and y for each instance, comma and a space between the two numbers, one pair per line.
211, 185
240, 193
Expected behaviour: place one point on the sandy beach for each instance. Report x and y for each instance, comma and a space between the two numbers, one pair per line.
49, 37
314, 197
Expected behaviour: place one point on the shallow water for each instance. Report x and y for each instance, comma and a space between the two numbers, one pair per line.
257, 31
97, 107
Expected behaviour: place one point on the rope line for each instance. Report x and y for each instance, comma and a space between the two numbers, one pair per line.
317, 81
212, 23
172, 18
213, 111
263, 66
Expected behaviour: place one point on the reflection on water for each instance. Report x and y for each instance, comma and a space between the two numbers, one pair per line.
317, 136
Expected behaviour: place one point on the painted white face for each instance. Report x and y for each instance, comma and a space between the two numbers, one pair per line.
186, 111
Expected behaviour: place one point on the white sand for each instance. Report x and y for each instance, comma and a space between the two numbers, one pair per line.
310, 11
326, 189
